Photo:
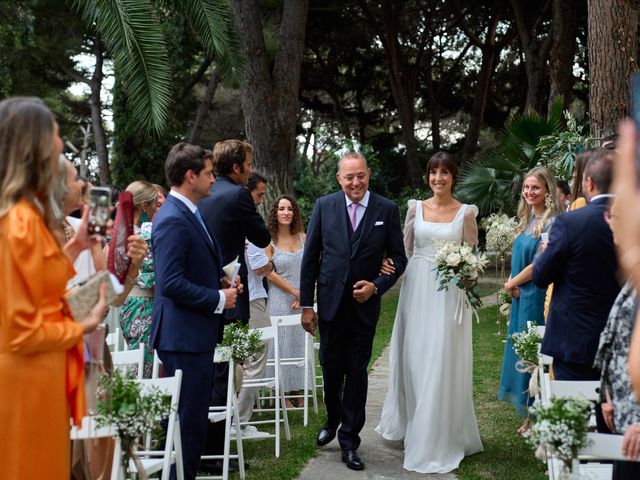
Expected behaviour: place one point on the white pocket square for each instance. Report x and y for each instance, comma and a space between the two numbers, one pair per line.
379, 223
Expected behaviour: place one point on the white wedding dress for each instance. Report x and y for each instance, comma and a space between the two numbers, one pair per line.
429, 403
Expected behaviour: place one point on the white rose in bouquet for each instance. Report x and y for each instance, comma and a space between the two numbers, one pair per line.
453, 259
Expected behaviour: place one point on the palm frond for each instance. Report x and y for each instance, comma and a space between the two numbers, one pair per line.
488, 188
212, 21
132, 35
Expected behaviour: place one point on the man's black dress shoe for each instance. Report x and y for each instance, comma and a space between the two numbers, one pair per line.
353, 461
214, 467
325, 436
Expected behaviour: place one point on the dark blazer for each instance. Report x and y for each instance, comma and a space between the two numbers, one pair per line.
333, 259
580, 261
231, 216
187, 279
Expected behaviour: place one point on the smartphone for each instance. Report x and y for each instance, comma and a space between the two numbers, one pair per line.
635, 111
99, 210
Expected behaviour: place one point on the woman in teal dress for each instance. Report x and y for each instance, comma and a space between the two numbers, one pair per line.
135, 312
538, 205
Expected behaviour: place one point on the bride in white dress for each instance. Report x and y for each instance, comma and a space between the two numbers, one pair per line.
429, 403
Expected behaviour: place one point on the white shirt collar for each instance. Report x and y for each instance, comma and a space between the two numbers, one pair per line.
190, 205
364, 202
602, 195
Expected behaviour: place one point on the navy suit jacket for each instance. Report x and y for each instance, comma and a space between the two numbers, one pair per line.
231, 215
580, 261
333, 261
187, 270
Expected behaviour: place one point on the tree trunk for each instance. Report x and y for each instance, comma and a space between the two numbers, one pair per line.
535, 54
270, 98
204, 107
563, 50
479, 104
613, 28
99, 137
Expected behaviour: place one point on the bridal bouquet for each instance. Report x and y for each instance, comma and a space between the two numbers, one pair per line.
501, 232
460, 264
560, 429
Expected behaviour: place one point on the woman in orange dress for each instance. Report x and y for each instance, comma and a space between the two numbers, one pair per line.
41, 356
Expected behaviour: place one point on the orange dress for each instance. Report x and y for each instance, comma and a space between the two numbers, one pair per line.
41, 356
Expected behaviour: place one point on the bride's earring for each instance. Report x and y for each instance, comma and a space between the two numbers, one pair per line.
548, 201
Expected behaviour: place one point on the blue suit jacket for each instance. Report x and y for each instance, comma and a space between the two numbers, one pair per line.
580, 261
187, 279
333, 261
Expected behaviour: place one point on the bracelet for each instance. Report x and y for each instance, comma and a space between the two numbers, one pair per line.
273, 265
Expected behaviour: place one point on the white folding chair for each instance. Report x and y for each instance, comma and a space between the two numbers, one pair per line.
274, 385
155, 370
115, 341
229, 414
89, 430
125, 359
153, 461
306, 362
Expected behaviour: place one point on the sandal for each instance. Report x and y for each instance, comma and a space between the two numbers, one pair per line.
525, 427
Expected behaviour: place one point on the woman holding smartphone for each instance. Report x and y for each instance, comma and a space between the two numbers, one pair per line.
41, 354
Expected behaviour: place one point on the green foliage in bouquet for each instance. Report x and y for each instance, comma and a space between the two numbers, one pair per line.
560, 428
526, 344
123, 406
244, 343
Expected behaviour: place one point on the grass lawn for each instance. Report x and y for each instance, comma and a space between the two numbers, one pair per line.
505, 455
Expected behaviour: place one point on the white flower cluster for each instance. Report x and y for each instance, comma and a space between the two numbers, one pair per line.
501, 232
245, 344
560, 427
460, 265
526, 344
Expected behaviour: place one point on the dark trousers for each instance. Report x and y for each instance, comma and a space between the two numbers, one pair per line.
345, 351
577, 371
193, 410
626, 470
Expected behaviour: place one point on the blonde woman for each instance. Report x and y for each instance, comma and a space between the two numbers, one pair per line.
137, 306
537, 207
41, 354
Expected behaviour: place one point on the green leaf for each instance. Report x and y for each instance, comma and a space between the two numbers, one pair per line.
132, 35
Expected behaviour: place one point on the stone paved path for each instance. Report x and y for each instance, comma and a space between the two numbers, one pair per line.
383, 458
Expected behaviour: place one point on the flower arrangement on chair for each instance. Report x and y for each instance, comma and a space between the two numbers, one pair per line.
132, 413
501, 233
526, 345
243, 345
560, 430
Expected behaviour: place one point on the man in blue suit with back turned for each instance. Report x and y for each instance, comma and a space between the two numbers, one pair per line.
580, 261
189, 293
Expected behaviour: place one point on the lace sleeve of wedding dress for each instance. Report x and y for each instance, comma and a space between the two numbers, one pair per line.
470, 226
408, 227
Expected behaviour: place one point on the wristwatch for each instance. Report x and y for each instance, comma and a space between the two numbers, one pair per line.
273, 265
375, 289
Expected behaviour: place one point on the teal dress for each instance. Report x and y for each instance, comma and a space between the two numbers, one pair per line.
135, 312
528, 308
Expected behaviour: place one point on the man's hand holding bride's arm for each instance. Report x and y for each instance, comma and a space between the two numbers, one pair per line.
387, 267
363, 290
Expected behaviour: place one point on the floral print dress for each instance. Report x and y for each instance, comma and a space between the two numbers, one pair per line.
135, 312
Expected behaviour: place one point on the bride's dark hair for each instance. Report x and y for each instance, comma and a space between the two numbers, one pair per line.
443, 160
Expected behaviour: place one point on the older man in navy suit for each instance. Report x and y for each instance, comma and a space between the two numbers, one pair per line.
349, 234
189, 293
580, 261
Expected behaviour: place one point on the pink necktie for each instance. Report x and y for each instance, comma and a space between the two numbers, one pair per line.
354, 218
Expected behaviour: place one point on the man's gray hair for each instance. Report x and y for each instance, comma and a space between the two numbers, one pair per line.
352, 155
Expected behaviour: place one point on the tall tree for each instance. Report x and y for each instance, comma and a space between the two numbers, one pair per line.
270, 88
535, 43
613, 53
563, 49
490, 42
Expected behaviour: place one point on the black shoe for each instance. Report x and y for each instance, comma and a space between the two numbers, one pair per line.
214, 467
353, 461
325, 436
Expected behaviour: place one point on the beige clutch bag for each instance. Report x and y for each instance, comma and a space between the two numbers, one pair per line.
84, 296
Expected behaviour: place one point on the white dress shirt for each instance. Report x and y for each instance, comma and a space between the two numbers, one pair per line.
192, 208
255, 259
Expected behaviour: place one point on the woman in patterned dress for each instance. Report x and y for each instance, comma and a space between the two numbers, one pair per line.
286, 250
135, 312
